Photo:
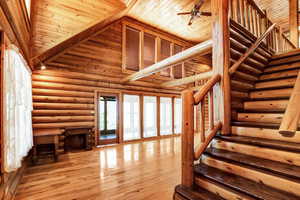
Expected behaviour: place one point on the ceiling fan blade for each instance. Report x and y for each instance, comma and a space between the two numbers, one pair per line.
191, 20
184, 13
199, 4
205, 13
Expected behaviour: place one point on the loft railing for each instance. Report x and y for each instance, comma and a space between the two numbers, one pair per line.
190, 99
290, 121
256, 21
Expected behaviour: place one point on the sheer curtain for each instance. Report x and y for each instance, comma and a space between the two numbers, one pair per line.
165, 116
18, 138
131, 119
150, 117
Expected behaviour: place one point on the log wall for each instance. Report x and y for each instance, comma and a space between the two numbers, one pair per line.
244, 79
63, 93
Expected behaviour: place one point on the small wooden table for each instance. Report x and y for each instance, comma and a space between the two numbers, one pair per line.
86, 131
46, 136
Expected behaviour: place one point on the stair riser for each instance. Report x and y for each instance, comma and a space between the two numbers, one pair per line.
257, 176
279, 93
260, 152
282, 67
269, 106
276, 83
255, 117
265, 133
279, 75
216, 189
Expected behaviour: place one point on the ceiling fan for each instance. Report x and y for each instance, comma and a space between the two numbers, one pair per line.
195, 12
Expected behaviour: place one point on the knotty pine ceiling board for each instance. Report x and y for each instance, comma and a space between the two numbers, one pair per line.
54, 21
277, 11
162, 14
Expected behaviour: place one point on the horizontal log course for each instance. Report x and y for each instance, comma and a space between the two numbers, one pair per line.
62, 93
87, 88
78, 78
265, 94
44, 119
62, 125
63, 106
57, 99
63, 112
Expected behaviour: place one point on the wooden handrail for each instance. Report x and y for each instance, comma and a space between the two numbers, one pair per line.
187, 80
206, 88
197, 50
207, 141
236, 65
290, 121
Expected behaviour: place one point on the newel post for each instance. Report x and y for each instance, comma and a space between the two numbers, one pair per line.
221, 62
187, 138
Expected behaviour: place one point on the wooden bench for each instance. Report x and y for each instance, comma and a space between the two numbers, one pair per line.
46, 136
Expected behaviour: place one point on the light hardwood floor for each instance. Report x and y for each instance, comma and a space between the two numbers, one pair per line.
138, 171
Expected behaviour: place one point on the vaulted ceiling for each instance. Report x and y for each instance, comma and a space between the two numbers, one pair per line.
54, 21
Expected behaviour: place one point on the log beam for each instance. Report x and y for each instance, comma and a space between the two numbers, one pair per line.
187, 80
293, 20
197, 50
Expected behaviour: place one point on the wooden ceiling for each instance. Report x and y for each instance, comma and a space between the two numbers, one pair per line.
163, 15
54, 21
277, 11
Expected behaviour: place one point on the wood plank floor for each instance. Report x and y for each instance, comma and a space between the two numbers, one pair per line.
138, 171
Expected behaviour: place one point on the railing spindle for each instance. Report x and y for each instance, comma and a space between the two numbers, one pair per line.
202, 124
211, 109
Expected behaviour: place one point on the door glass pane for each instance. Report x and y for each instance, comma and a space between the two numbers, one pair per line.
177, 115
131, 117
165, 116
111, 115
150, 116
101, 114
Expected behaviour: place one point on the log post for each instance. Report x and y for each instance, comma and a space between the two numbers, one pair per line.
293, 20
187, 140
221, 61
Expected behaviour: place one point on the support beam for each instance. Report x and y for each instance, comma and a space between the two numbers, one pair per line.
293, 20
221, 61
198, 50
187, 80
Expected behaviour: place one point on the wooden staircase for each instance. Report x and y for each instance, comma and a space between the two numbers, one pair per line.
255, 161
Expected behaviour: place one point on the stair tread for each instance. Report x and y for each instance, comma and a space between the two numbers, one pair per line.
196, 193
269, 165
282, 145
257, 190
289, 53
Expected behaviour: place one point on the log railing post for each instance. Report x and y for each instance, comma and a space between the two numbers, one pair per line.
187, 139
221, 61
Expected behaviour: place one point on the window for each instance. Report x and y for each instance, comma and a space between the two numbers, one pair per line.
177, 115
165, 116
177, 69
165, 53
131, 119
28, 7
150, 116
149, 50
132, 48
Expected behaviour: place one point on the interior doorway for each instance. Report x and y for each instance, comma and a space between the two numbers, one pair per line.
107, 123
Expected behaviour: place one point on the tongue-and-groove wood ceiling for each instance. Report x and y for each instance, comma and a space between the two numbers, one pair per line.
54, 21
